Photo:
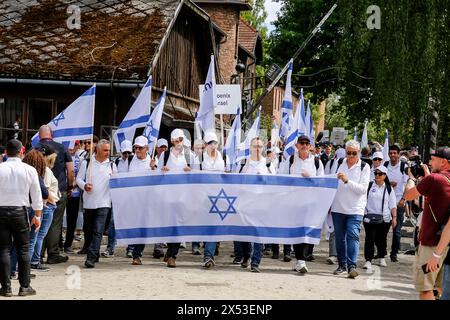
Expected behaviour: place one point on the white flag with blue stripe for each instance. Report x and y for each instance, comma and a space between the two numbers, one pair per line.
252, 133
291, 140
386, 147
312, 133
220, 207
151, 130
233, 141
137, 116
205, 115
76, 122
301, 120
364, 138
274, 134
355, 134
286, 106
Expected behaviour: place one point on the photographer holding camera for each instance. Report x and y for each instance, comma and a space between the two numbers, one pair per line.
433, 234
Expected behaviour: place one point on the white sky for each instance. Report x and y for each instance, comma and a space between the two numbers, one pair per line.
272, 8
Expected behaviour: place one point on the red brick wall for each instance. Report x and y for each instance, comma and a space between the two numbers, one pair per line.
226, 17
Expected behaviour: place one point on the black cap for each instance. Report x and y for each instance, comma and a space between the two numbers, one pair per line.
442, 152
45, 149
13, 147
304, 137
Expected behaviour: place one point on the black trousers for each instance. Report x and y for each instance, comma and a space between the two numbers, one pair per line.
14, 225
88, 228
303, 250
376, 235
172, 250
52, 241
286, 249
73, 206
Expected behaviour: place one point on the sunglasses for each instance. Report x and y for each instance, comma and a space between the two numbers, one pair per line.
87, 142
178, 140
379, 173
139, 148
126, 152
212, 142
377, 159
257, 147
303, 143
352, 153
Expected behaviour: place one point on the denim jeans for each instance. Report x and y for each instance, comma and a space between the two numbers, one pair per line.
255, 254
396, 237
446, 283
111, 235
332, 245
347, 228
98, 226
237, 250
210, 249
37, 239
195, 245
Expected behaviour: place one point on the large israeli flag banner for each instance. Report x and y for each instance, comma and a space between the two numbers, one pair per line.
197, 206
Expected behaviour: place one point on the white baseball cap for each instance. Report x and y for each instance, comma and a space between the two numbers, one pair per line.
211, 136
276, 150
340, 153
126, 146
177, 133
377, 154
140, 141
162, 142
186, 142
382, 169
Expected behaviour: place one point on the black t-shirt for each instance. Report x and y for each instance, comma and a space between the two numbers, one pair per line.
63, 156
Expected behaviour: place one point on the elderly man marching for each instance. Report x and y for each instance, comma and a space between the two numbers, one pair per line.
304, 164
176, 159
93, 178
348, 207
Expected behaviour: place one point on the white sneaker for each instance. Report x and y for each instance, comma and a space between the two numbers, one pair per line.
332, 260
183, 245
383, 262
300, 266
367, 265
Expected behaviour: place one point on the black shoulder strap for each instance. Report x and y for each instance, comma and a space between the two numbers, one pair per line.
130, 157
117, 161
402, 167
291, 161
370, 186
388, 185
87, 165
166, 157
363, 164
316, 163
339, 163
382, 203
242, 166
386, 163
331, 163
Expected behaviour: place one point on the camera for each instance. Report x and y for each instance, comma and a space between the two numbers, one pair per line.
415, 166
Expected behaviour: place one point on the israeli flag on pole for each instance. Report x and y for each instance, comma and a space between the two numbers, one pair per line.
275, 134
386, 146
151, 130
308, 120
252, 133
291, 139
233, 141
205, 115
312, 134
364, 138
301, 119
355, 135
286, 107
137, 116
76, 122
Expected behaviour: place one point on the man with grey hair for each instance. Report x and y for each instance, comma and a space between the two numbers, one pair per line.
93, 178
348, 206
63, 171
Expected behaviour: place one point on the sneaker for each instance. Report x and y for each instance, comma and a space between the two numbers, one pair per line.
14, 276
209, 264
136, 262
310, 258
82, 251
78, 238
244, 264
266, 252
164, 245
89, 264
340, 270
367, 266
183, 245
394, 259
287, 258
39, 267
382, 262
69, 250
196, 252
57, 259
236, 261
171, 263
26, 291
158, 254
332, 260
255, 269
6, 292
107, 254
129, 254
352, 274
276, 256
300, 267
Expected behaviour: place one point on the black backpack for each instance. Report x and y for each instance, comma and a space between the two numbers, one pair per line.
402, 166
130, 157
316, 163
186, 156
341, 160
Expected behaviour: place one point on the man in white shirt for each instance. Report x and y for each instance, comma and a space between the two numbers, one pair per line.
93, 178
174, 160
19, 183
304, 164
398, 176
123, 162
348, 207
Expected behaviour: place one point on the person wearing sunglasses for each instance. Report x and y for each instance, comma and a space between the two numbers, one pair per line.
381, 209
123, 162
377, 161
348, 207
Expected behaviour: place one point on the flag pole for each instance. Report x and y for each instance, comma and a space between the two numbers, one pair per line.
92, 134
221, 131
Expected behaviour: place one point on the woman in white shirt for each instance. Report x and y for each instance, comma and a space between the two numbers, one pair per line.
381, 210
212, 161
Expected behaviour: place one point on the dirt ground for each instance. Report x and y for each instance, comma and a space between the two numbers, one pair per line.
116, 278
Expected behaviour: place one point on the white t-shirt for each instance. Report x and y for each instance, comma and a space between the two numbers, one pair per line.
139, 165
210, 164
394, 174
175, 163
308, 165
256, 167
375, 198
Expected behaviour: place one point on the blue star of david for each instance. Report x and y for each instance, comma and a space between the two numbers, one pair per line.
57, 120
229, 199
151, 131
